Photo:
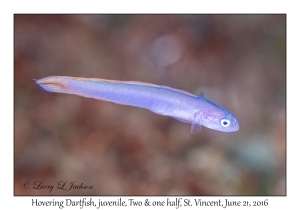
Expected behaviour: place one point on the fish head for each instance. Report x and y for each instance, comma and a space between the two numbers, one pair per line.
220, 120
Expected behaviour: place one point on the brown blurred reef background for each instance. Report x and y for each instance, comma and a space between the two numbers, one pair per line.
239, 60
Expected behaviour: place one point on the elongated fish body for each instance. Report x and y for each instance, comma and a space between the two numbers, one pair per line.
162, 100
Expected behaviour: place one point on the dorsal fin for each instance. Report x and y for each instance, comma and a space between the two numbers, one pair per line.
202, 93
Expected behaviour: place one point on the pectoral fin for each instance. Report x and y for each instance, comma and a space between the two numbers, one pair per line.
196, 124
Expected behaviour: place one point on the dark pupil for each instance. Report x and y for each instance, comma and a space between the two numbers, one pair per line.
225, 123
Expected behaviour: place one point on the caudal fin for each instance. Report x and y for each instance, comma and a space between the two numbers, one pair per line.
52, 84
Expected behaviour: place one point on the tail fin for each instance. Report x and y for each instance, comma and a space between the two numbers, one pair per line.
52, 84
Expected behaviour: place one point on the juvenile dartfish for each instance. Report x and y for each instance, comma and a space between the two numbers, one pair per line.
179, 104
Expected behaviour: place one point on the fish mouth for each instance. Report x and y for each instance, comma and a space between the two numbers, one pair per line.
236, 127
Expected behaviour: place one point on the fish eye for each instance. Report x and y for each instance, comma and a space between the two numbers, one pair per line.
225, 122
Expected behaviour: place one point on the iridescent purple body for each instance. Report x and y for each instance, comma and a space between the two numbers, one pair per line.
162, 100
